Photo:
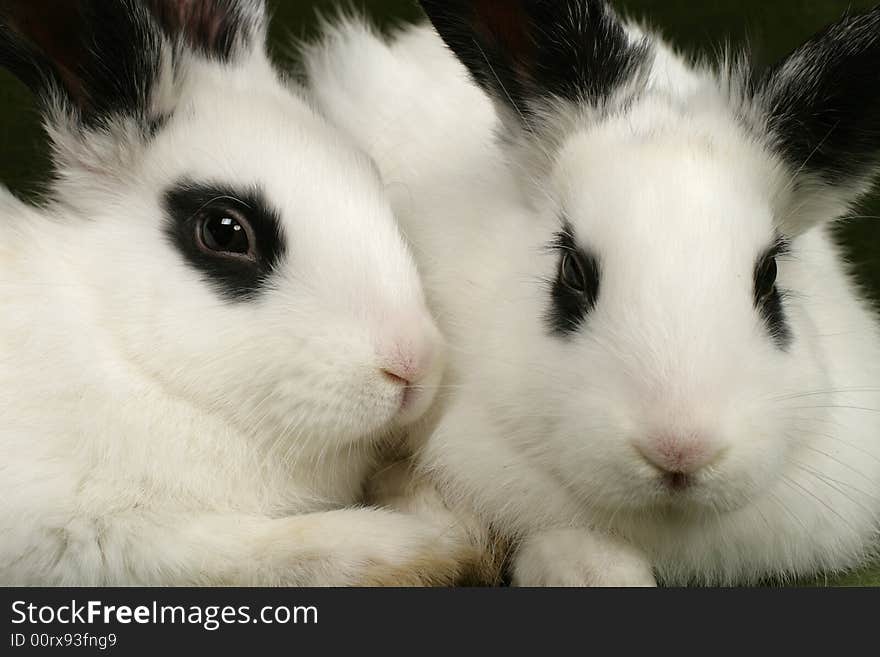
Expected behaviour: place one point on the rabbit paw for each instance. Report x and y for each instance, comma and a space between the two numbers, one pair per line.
580, 558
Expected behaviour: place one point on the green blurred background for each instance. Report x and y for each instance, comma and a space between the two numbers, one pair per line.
772, 27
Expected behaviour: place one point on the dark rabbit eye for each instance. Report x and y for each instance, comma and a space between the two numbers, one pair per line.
575, 291
225, 232
232, 236
769, 298
579, 275
572, 274
765, 279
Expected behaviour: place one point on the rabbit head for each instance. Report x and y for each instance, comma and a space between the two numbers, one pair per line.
660, 304
229, 245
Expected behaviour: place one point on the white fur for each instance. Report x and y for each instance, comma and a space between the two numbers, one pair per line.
153, 433
678, 200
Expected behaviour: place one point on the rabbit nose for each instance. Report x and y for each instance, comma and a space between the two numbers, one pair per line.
396, 378
679, 457
408, 360
407, 366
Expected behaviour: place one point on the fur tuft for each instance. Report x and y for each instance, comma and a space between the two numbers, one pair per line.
219, 29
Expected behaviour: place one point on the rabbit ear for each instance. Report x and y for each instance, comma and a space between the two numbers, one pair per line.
36, 42
822, 104
89, 59
219, 29
528, 52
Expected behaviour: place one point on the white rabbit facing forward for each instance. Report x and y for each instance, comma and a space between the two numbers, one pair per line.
210, 325
659, 362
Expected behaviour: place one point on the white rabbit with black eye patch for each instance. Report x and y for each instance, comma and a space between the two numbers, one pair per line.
660, 365
208, 327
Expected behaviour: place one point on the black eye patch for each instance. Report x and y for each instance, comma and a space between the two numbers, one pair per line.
575, 290
768, 296
230, 235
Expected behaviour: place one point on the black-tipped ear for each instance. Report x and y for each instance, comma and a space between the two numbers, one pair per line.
33, 35
823, 103
219, 29
100, 56
528, 51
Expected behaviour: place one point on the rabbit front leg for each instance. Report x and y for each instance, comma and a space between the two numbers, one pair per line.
364, 547
580, 558
349, 547
399, 486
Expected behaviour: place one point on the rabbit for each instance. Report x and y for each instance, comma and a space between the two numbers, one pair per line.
660, 367
211, 325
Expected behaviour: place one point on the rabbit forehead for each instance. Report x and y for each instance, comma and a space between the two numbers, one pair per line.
623, 189
263, 137
678, 227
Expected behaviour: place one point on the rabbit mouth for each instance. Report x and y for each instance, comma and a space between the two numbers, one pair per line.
693, 495
414, 404
677, 482
678, 490
407, 399
408, 410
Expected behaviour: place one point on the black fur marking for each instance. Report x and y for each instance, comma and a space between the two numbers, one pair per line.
824, 101
155, 124
771, 304
527, 51
571, 304
21, 56
235, 280
102, 56
216, 28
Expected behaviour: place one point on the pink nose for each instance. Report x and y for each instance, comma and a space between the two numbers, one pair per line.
408, 361
684, 455
396, 378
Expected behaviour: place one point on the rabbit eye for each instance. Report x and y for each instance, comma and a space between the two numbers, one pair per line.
225, 232
576, 289
769, 298
765, 279
579, 276
232, 236
572, 273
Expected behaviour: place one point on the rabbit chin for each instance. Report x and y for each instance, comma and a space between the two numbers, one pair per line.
707, 494
640, 492
317, 421
618, 475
